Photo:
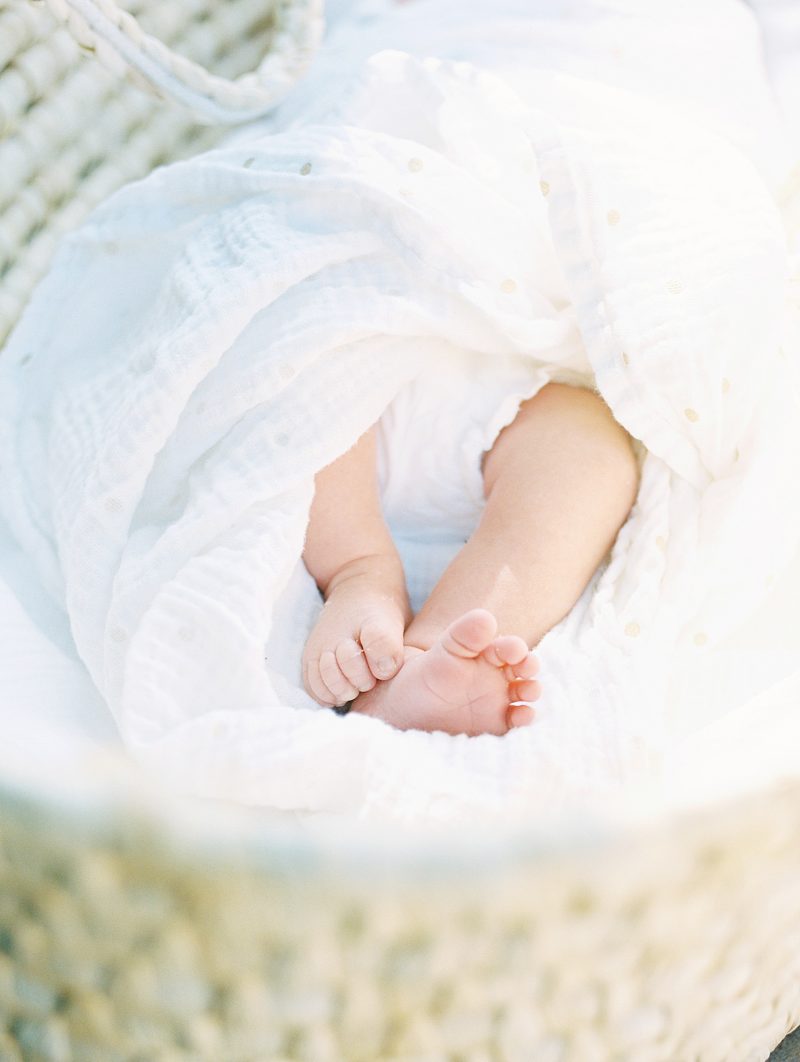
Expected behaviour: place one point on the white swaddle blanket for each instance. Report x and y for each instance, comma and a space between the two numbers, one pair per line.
217, 333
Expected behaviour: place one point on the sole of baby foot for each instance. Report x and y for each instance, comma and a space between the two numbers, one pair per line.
468, 682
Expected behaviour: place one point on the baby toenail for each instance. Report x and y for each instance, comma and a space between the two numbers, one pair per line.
385, 665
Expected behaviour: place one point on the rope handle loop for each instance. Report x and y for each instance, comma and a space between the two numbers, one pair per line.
118, 41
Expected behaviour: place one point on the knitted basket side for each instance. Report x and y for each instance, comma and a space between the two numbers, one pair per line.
118, 941
72, 132
121, 43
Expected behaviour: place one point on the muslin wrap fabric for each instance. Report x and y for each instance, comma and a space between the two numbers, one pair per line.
490, 177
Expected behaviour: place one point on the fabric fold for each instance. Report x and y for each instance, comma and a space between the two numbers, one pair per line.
217, 333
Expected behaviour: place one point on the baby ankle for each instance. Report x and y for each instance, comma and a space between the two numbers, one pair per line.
377, 568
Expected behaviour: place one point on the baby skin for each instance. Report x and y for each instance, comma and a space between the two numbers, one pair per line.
559, 483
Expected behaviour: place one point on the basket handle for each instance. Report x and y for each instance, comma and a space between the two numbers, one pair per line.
118, 41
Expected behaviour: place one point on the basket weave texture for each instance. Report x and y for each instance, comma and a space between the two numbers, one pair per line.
72, 130
678, 945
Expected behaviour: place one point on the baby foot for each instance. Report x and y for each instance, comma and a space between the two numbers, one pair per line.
358, 637
465, 683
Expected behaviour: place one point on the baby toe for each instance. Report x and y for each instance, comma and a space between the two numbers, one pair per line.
525, 669
353, 665
519, 715
383, 648
470, 635
340, 687
314, 685
510, 649
526, 690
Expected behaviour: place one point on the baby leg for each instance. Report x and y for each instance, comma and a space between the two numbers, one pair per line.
559, 482
350, 553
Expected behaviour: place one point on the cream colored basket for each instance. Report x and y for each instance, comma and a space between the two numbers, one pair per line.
71, 132
126, 934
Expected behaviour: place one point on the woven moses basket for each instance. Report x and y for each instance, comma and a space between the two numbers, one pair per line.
128, 932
